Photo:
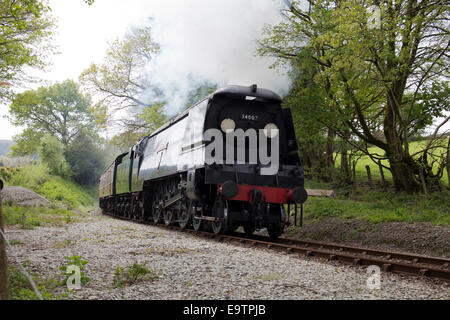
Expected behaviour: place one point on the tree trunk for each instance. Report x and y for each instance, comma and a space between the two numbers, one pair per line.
404, 176
448, 161
345, 166
402, 165
329, 153
4, 294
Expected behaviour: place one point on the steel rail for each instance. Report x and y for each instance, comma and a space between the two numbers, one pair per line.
390, 255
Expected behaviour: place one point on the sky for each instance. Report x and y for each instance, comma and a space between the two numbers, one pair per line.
212, 40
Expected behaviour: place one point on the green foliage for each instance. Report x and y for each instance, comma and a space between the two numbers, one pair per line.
20, 287
29, 218
6, 173
31, 177
38, 179
25, 30
122, 85
153, 116
78, 261
85, 159
125, 140
59, 110
365, 78
380, 206
51, 153
122, 82
151, 119
133, 274
200, 92
26, 143
68, 192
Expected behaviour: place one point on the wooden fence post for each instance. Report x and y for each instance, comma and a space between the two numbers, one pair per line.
422, 179
369, 175
383, 181
4, 294
354, 171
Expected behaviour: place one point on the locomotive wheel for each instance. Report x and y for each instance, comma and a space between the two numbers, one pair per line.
275, 229
218, 227
219, 208
168, 217
138, 213
249, 228
184, 213
196, 222
156, 214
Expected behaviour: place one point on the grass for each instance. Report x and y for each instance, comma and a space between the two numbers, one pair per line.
361, 173
134, 274
29, 218
20, 288
380, 206
65, 191
76, 261
54, 188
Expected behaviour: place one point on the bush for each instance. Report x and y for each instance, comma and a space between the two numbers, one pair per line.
133, 274
67, 192
51, 153
6, 173
85, 159
31, 177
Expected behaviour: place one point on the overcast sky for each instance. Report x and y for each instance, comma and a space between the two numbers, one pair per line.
213, 38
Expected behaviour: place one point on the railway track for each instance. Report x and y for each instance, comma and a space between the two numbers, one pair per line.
404, 263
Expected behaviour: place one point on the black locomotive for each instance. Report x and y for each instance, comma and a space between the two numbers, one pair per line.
169, 176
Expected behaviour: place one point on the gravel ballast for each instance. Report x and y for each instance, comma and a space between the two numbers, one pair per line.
23, 197
190, 267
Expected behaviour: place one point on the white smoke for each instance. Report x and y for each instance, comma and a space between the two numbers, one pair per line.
214, 41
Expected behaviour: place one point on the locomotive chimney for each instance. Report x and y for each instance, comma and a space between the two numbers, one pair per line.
254, 87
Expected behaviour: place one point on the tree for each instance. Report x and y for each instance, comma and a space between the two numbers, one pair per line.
26, 28
25, 143
85, 158
60, 110
122, 82
151, 119
373, 77
199, 92
51, 153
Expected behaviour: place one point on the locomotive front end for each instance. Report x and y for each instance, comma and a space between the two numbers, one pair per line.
251, 155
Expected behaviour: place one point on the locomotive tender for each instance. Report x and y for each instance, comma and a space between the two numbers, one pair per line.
167, 177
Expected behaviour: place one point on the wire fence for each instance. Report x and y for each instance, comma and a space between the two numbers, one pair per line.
22, 269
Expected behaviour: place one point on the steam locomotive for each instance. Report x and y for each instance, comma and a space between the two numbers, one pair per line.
185, 174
